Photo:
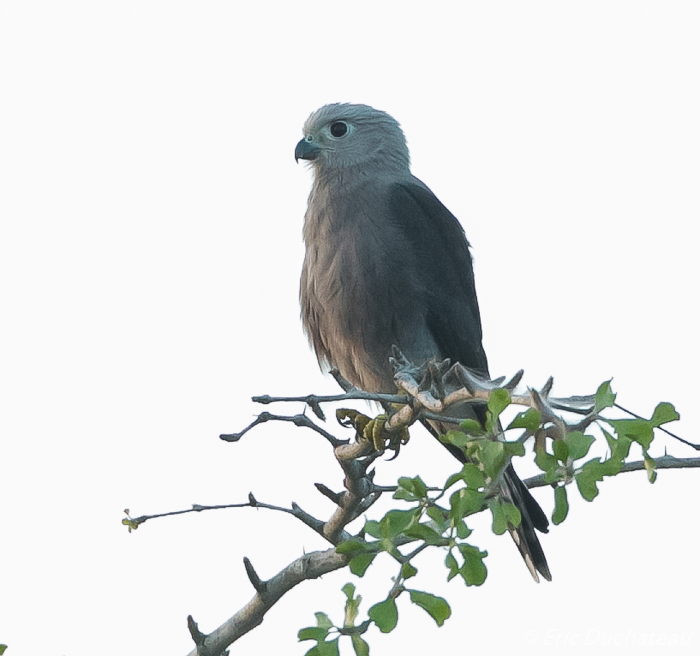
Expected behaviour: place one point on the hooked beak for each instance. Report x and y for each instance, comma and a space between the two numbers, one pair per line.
306, 150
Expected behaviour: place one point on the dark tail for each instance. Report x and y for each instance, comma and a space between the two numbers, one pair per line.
531, 515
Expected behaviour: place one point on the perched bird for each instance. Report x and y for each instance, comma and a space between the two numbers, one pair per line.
388, 264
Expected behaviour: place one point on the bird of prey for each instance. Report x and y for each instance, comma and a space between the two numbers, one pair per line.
388, 264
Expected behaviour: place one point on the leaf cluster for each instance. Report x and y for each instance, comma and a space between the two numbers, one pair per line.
436, 517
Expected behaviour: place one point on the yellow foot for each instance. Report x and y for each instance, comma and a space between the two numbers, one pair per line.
374, 430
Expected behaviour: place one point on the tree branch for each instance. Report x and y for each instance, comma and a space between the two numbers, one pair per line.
309, 566
430, 393
662, 462
298, 420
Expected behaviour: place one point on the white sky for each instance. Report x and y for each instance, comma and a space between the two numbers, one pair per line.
150, 250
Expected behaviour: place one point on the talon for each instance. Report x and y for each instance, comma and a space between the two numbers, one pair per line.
348, 418
374, 430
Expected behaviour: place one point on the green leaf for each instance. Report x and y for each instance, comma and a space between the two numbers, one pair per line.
457, 438
454, 478
426, 533
2, 649
639, 430
385, 615
512, 514
493, 458
529, 420
373, 528
325, 649
472, 427
561, 450
359, 645
352, 605
514, 448
359, 564
323, 621
604, 398
465, 502
561, 505
351, 545
473, 476
545, 461
619, 448
396, 521
499, 400
650, 466
318, 632
415, 486
587, 478
452, 565
404, 495
420, 488
505, 515
470, 473
312, 633
436, 607
663, 413
463, 531
387, 544
438, 515
499, 525
473, 571
408, 570
579, 444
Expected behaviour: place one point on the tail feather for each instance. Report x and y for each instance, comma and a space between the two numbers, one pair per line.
524, 535
531, 514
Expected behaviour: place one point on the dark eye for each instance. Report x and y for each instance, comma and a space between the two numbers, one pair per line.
339, 129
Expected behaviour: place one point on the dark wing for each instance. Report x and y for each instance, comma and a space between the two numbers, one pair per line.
453, 319
445, 263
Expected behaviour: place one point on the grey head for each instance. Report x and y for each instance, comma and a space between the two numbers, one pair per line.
344, 136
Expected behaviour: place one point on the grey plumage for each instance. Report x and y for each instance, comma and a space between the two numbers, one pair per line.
388, 264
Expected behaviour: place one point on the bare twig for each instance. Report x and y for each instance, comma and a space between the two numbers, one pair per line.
298, 420
252, 503
353, 395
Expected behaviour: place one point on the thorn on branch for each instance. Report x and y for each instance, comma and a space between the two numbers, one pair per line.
196, 634
367, 462
335, 497
367, 503
515, 380
345, 385
316, 524
316, 408
464, 378
259, 585
547, 387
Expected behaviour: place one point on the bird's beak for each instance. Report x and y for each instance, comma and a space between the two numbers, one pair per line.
306, 150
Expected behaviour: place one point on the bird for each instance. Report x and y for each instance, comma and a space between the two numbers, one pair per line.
388, 265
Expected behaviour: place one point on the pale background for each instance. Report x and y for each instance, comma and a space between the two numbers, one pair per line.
149, 255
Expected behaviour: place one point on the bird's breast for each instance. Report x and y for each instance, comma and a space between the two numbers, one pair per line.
356, 295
